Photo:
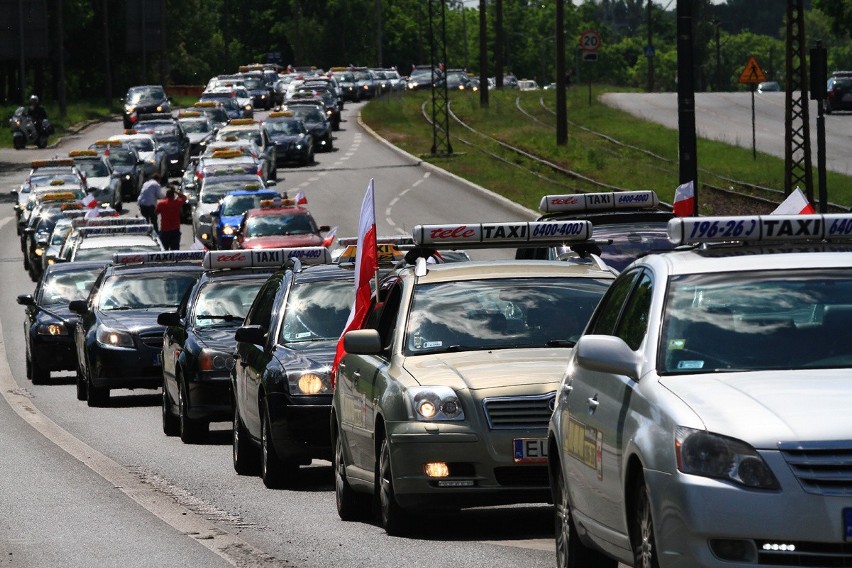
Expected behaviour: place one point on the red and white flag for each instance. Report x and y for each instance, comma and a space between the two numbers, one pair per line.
684, 201
301, 198
366, 265
795, 204
89, 201
329, 237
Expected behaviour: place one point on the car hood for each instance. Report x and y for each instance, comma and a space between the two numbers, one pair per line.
286, 138
768, 407
308, 354
220, 337
61, 311
232, 220
279, 241
477, 370
123, 169
98, 182
134, 321
196, 137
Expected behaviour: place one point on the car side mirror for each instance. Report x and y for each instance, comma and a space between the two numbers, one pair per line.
26, 300
214, 213
271, 183
324, 228
79, 307
607, 354
14, 192
254, 334
362, 342
169, 319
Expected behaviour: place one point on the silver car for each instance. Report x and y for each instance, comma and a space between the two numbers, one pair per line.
704, 417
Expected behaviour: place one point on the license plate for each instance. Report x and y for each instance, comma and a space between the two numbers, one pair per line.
530, 450
847, 523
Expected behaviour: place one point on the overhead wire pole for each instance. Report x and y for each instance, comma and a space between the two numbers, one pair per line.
797, 151
687, 143
561, 108
483, 54
440, 99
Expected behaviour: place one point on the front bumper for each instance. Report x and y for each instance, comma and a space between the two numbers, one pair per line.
129, 368
210, 398
53, 352
285, 154
301, 431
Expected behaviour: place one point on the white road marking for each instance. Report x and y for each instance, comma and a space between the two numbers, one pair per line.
396, 199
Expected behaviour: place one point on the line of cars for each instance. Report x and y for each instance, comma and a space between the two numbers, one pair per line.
647, 402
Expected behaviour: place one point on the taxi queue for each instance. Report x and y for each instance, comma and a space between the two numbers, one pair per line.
630, 398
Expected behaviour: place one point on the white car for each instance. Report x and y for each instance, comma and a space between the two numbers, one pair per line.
704, 416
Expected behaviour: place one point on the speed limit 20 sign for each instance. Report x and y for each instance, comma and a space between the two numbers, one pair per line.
590, 40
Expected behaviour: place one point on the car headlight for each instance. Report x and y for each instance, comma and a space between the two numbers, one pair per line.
228, 230
39, 251
127, 177
129, 109
309, 382
210, 360
248, 107
113, 338
151, 161
51, 329
711, 455
159, 108
434, 403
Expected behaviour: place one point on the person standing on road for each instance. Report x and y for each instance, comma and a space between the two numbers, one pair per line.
149, 195
169, 210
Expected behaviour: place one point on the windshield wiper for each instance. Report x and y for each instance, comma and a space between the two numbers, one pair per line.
561, 343
224, 317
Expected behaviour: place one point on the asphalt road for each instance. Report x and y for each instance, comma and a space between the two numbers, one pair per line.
104, 487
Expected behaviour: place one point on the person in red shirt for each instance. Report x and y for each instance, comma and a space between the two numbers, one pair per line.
169, 210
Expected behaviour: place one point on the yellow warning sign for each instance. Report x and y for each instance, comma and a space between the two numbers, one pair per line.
752, 72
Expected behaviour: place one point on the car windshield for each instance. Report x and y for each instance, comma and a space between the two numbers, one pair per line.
61, 288
56, 179
93, 168
362, 76
138, 290
750, 321
195, 126
57, 236
285, 224
239, 204
106, 252
142, 144
251, 83
628, 241
344, 77
224, 303
214, 192
250, 135
316, 311
307, 114
287, 127
121, 157
500, 314
137, 95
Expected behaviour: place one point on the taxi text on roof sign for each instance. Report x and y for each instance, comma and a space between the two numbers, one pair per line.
757, 228
599, 201
506, 233
264, 257
158, 257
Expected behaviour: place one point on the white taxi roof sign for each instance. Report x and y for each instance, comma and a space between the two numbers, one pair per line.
606, 201
759, 228
109, 222
502, 234
158, 257
243, 258
117, 230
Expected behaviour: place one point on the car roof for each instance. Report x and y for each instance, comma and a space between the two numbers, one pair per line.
154, 267
80, 265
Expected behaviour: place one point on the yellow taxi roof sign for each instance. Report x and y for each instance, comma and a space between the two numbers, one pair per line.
752, 74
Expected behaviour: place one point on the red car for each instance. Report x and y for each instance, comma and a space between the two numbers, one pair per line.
278, 225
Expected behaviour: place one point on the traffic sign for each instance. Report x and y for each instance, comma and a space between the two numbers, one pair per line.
649, 51
752, 72
590, 40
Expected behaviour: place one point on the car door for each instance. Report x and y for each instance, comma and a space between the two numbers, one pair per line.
174, 341
252, 359
597, 403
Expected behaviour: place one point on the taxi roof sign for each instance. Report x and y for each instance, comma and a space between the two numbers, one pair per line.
242, 121
59, 196
606, 201
109, 222
279, 114
251, 258
52, 163
158, 257
752, 73
82, 153
116, 230
760, 228
502, 234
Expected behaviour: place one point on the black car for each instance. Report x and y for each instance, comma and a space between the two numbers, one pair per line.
171, 137
199, 343
626, 225
215, 112
144, 99
346, 82
118, 340
317, 123
199, 129
126, 164
281, 384
293, 142
37, 236
838, 95
48, 324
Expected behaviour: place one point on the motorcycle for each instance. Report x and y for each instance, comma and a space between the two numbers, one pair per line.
24, 131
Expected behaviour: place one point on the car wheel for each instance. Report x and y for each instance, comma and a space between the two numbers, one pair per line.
827, 107
119, 206
351, 505
19, 143
42, 142
191, 431
274, 471
26, 261
82, 391
642, 536
97, 396
29, 368
570, 552
244, 454
40, 375
392, 517
171, 424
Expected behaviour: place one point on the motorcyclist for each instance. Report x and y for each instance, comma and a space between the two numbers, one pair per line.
37, 113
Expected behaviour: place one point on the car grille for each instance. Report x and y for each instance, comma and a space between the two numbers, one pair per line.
822, 469
806, 554
152, 339
519, 412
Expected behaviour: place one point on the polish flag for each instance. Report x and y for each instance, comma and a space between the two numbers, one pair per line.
684, 201
366, 266
329, 237
795, 204
89, 201
301, 198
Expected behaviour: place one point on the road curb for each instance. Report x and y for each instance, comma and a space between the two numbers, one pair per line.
517, 207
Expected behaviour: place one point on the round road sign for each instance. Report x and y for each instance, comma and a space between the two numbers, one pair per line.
590, 40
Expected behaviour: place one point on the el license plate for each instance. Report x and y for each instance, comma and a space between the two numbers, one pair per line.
530, 450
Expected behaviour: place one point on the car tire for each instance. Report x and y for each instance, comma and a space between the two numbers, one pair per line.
119, 206
570, 551
82, 390
96, 396
827, 107
40, 375
274, 471
29, 368
244, 454
191, 431
392, 517
42, 142
18, 142
351, 505
642, 536
171, 423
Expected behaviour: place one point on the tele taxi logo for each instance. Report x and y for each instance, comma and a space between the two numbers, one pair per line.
459, 232
239, 257
131, 259
572, 200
